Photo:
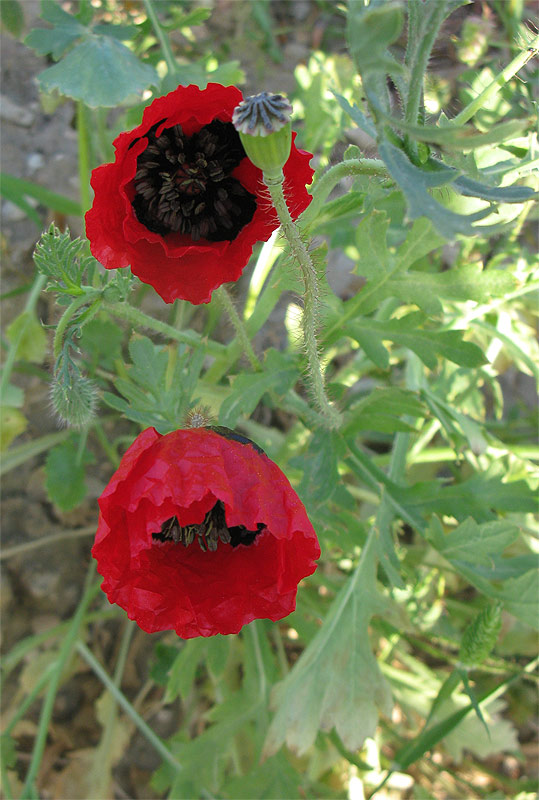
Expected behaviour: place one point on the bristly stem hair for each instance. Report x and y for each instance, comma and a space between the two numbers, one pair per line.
310, 305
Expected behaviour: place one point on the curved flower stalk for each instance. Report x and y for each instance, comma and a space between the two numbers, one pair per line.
182, 204
200, 532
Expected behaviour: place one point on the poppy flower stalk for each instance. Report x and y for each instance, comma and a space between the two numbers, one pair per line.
262, 122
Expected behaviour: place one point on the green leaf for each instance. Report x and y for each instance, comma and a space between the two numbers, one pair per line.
416, 182
275, 779
100, 71
519, 596
475, 550
149, 362
183, 669
426, 344
65, 475
12, 17
381, 411
16, 189
27, 334
312, 697
320, 471
370, 31
57, 39
472, 542
218, 648
12, 423
247, 389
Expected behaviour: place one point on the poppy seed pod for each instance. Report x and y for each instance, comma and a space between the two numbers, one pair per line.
263, 123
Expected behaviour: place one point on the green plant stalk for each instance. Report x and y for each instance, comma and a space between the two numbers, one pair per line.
29, 700
120, 698
25, 547
324, 186
91, 589
498, 83
30, 305
140, 320
84, 158
99, 775
420, 58
227, 303
24, 647
68, 315
161, 35
309, 317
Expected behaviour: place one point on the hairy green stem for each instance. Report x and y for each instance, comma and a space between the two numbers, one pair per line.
428, 22
351, 167
161, 35
67, 316
310, 303
30, 305
228, 304
498, 83
122, 700
141, 320
90, 591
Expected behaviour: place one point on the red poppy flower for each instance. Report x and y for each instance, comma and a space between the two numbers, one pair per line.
181, 203
201, 533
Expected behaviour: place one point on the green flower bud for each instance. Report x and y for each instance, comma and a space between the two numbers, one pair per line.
73, 397
480, 636
263, 123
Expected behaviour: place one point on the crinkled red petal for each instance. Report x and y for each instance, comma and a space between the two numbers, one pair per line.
165, 586
175, 265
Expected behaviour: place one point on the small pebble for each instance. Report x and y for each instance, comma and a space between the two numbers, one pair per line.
18, 115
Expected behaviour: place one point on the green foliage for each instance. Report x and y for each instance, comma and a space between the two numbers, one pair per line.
158, 387
99, 70
311, 698
65, 473
423, 499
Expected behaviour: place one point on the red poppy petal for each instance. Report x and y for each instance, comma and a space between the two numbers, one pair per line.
163, 585
173, 263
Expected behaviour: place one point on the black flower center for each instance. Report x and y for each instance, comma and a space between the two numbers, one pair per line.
209, 532
184, 184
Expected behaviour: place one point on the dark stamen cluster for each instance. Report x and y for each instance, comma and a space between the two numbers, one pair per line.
209, 532
183, 184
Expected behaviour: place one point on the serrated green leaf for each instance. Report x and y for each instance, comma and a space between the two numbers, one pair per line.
100, 71
27, 334
247, 389
370, 31
66, 30
426, 344
415, 183
65, 475
311, 697
472, 542
149, 363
